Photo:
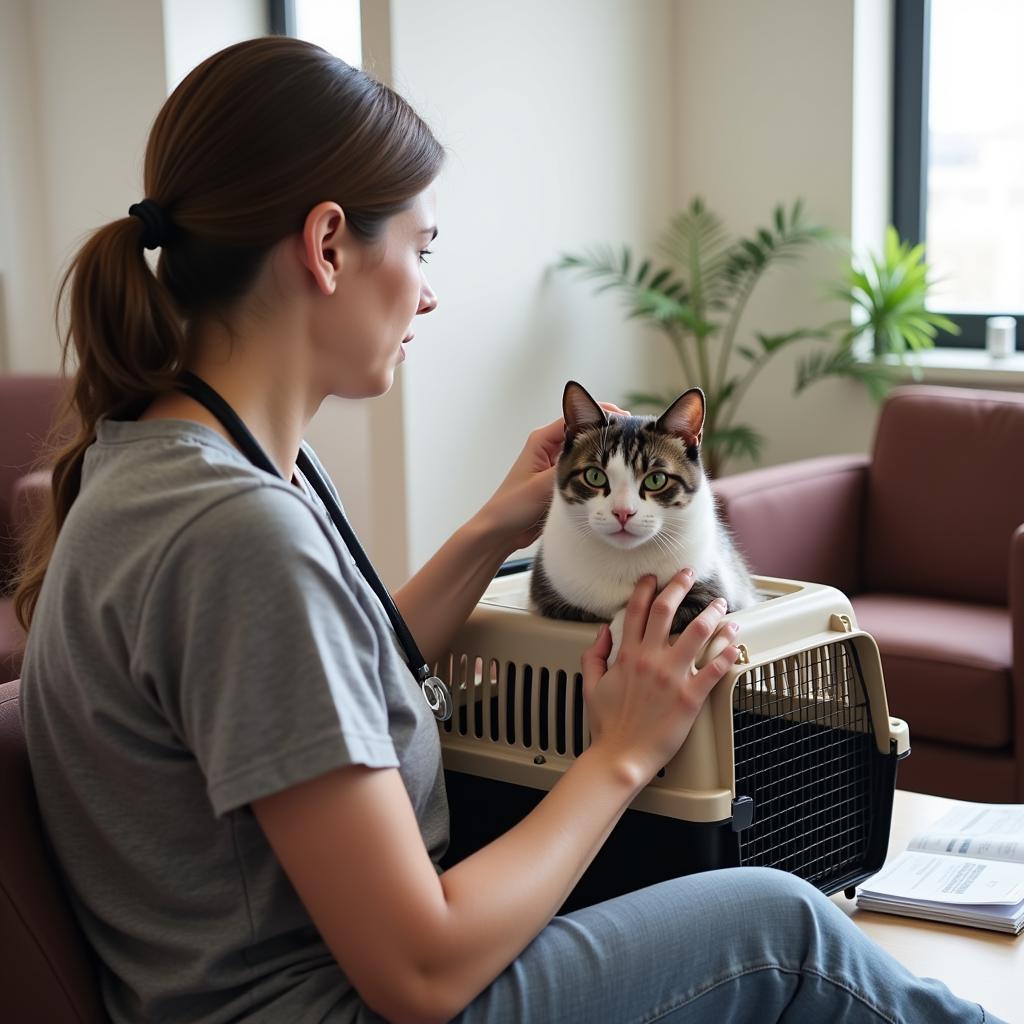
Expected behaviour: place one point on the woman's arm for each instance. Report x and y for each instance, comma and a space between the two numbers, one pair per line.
439, 598
419, 947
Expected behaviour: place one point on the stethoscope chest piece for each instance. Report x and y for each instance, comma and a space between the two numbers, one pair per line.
438, 698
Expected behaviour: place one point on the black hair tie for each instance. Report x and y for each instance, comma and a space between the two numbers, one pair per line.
156, 226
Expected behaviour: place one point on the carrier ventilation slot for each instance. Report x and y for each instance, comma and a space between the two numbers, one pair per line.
517, 705
804, 745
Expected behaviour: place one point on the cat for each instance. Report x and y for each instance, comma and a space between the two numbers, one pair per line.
630, 499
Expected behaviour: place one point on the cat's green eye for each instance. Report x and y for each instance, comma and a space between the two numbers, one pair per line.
594, 477
655, 482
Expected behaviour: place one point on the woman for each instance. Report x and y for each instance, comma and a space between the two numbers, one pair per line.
237, 770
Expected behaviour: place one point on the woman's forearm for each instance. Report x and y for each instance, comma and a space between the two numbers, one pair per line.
498, 899
438, 599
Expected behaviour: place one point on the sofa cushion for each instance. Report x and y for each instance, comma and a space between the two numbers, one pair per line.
28, 409
947, 666
12, 641
30, 500
944, 493
47, 971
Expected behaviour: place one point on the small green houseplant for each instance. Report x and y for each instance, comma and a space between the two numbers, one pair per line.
697, 301
889, 293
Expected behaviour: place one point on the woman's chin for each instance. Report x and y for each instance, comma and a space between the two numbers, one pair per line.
372, 386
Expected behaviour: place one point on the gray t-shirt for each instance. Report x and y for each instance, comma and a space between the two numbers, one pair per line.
204, 639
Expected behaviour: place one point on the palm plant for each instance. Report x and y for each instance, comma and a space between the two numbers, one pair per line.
888, 296
889, 293
698, 301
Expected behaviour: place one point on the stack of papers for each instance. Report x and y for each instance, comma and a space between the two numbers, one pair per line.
968, 868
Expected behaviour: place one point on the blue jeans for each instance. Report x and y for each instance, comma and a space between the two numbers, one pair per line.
739, 946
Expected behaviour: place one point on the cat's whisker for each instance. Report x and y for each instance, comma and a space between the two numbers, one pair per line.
663, 544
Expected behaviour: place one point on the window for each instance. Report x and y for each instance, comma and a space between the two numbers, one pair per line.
334, 26
958, 174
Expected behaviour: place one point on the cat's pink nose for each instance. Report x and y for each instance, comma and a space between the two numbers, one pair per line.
623, 515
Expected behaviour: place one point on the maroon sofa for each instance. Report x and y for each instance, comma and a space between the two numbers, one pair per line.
925, 536
47, 970
28, 409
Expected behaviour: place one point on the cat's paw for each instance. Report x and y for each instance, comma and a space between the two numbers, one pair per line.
615, 626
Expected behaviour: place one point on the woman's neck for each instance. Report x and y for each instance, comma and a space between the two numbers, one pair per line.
265, 383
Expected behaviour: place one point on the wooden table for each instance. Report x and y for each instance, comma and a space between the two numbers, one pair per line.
974, 962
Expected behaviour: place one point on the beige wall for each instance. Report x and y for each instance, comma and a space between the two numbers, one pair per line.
79, 86
193, 29
765, 102
557, 119
23, 232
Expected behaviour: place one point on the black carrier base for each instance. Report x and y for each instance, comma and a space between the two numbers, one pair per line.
642, 850
646, 848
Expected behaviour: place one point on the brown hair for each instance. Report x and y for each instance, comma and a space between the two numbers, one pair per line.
244, 147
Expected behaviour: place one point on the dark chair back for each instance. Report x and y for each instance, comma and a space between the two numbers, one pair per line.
47, 972
28, 410
945, 494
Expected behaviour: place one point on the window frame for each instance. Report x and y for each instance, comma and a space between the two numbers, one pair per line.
911, 36
281, 14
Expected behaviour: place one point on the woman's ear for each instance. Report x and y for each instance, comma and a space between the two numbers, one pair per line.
321, 244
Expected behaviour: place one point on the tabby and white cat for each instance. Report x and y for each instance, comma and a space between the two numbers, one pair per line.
631, 499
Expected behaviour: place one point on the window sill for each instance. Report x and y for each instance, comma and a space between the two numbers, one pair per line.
964, 366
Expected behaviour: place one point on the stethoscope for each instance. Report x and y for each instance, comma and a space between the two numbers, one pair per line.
435, 692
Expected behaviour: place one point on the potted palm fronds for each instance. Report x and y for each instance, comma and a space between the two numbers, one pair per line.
697, 300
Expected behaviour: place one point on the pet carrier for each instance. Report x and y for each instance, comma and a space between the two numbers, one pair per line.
790, 764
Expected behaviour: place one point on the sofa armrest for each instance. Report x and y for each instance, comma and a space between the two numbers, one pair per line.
1017, 678
802, 520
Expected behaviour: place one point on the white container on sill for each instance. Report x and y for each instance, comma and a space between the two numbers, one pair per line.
1000, 336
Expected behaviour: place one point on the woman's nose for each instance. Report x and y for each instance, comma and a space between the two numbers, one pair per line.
428, 300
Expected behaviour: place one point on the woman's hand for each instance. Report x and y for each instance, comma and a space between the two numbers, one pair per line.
518, 507
642, 708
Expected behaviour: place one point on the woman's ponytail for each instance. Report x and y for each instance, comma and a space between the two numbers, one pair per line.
128, 342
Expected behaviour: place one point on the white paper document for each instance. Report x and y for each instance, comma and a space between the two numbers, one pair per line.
923, 876
967, 868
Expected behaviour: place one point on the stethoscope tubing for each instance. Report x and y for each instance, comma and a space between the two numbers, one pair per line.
434, 690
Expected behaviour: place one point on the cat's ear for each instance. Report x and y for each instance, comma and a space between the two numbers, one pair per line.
580, 410
684, 418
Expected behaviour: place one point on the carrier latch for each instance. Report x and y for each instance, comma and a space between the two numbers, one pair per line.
742, 813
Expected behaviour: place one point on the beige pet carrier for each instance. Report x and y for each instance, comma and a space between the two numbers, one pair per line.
790, 764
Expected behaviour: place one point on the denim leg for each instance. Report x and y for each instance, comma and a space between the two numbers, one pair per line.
742, 946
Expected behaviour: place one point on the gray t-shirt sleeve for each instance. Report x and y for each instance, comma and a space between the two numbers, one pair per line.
258, 648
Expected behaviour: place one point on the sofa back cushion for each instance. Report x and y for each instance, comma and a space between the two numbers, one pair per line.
47, 971
945, 493
28, 408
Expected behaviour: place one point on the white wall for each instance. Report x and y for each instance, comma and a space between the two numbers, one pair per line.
557, 121
79, 85
24, 225
194, 29
765, 101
